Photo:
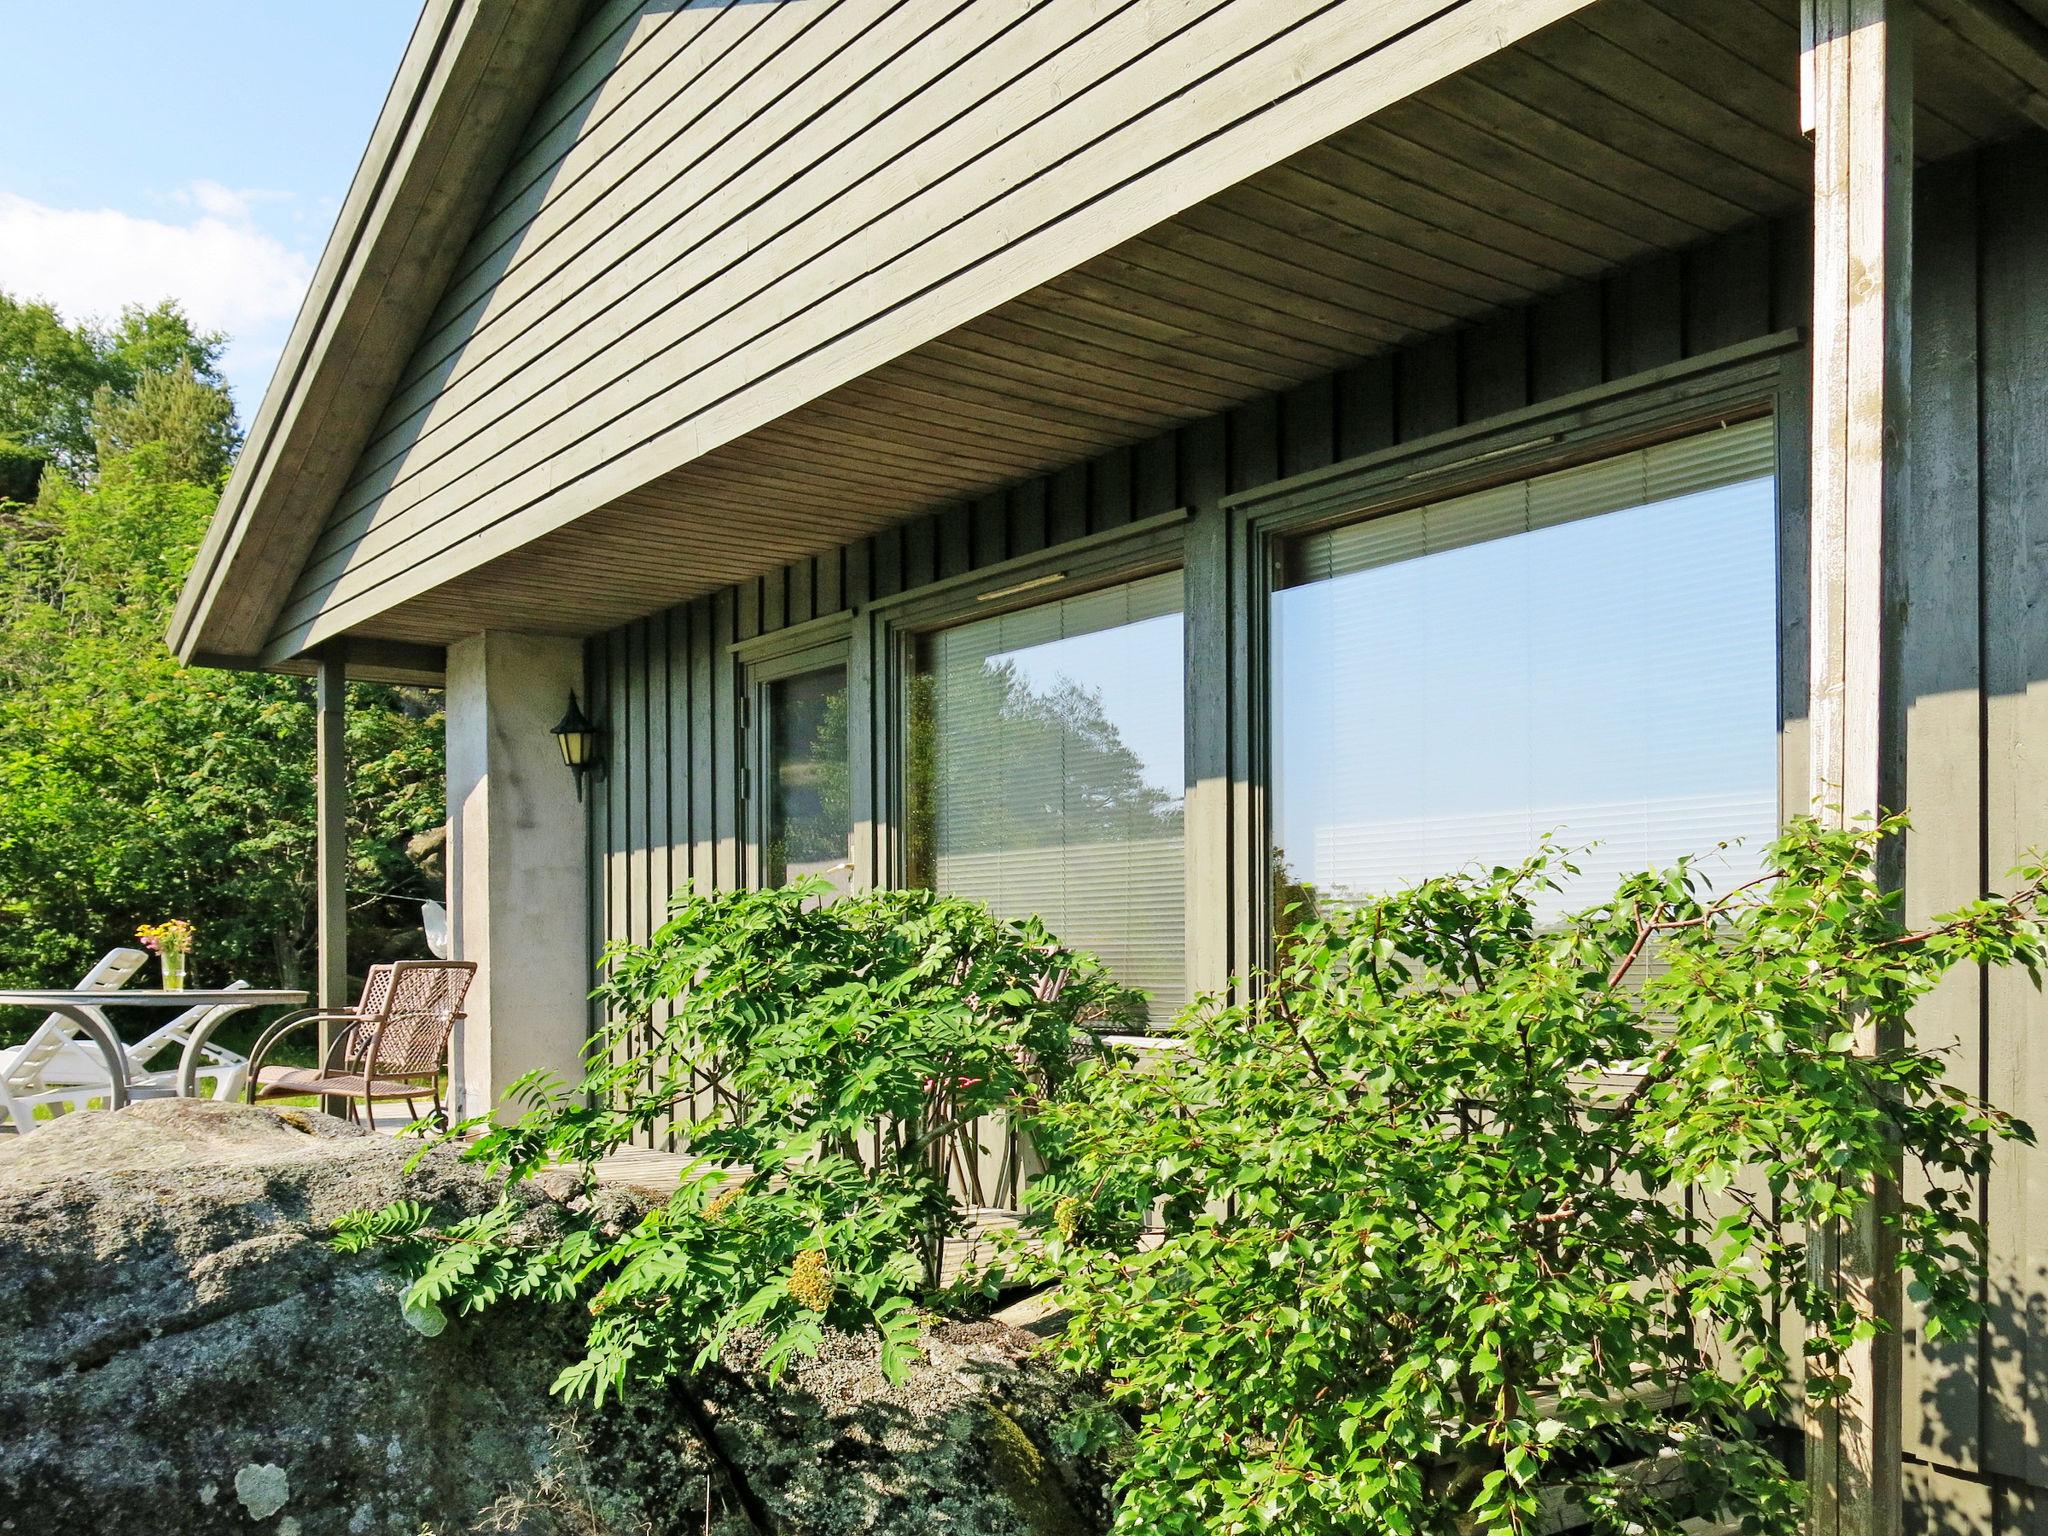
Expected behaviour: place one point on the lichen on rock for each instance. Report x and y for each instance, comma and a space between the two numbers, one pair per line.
263, 1490
174, 1326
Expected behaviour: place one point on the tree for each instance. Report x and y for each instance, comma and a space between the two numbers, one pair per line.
157, 339
48, 372
190, 421
132, 789
52, 374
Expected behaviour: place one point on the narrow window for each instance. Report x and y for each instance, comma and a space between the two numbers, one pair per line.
1589, 655
1046, 774
806, 807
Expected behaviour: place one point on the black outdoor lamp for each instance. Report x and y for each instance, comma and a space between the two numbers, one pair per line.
581, 742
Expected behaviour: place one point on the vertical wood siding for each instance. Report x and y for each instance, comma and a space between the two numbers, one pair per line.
2011, 572
1975, 666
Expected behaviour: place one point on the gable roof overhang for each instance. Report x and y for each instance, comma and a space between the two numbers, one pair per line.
1493, 153
469, 79
473, 75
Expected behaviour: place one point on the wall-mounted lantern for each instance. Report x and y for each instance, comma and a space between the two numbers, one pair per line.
581, 742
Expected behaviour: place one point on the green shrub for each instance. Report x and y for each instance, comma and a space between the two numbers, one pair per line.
834, 1055
1423, 1258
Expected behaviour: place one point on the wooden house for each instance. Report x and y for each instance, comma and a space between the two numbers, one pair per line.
1137, 459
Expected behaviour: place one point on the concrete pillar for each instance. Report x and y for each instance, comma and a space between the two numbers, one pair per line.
516, 868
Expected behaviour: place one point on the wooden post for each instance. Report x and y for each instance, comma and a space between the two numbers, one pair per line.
330, 787
1856, 100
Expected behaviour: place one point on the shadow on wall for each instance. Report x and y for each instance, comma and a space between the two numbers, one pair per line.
1978, 1416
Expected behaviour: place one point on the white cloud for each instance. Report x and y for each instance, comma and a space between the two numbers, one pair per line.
234, 204
230, 275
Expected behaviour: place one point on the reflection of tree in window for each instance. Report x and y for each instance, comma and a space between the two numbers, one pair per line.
810, 810
1045, 774
1102, 794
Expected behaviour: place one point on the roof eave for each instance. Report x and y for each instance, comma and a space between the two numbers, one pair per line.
470, 79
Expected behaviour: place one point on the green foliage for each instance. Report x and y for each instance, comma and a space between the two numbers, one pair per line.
155, 339
51, 373
132, 789
189, 422
1423, 1256
48, 372
474, 1261
837, 1056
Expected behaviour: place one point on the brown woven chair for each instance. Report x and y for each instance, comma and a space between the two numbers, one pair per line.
392, 1045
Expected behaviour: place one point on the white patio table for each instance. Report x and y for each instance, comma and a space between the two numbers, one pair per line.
82, 1009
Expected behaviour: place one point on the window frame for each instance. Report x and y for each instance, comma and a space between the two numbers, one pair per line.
759, 664
1759, 381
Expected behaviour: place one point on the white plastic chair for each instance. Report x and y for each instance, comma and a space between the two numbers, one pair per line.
58, 1069
220, 1071
53, 1066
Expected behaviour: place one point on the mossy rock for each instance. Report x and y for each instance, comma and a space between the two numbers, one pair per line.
180, 1347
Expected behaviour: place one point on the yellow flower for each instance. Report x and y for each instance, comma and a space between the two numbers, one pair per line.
720, 1203
1068, 1216
171, 937
810, 1280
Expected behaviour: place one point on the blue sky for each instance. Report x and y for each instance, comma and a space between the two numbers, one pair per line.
196, 150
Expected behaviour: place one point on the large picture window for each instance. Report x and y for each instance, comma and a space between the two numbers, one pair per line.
1589, 654
1046, 774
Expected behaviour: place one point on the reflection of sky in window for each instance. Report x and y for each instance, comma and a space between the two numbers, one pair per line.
1613, 679
1136, 671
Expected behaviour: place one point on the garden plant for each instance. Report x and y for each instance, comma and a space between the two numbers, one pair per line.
1465, 1217
1468, 1215
818, 1065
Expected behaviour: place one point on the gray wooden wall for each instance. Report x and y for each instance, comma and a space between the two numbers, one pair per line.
1975, 663
1975, 669
722, 211
667, 810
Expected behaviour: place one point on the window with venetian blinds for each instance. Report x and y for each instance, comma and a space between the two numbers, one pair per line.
1589, 655
1046, 774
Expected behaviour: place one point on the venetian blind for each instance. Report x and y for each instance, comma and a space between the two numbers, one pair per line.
1589, 655
1659, 473
1048, 764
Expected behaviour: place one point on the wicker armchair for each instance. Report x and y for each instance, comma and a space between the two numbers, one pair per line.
392, 1045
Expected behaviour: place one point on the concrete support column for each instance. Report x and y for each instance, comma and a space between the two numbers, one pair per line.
516, 866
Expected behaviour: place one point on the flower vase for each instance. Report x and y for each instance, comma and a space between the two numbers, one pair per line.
174, 973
